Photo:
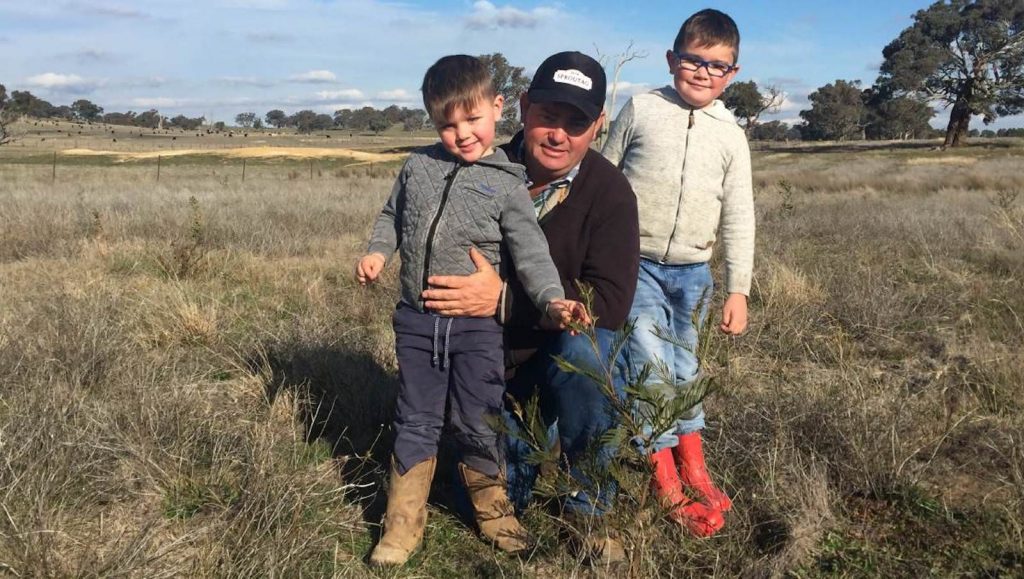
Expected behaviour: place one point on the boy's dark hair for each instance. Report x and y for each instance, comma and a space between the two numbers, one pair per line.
708, 28
458, 80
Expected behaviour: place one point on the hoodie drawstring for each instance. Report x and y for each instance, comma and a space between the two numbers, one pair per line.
440, 358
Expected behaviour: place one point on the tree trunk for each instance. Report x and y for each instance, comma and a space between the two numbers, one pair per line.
959, 121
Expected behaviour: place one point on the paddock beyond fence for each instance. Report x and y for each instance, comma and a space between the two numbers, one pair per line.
57, 167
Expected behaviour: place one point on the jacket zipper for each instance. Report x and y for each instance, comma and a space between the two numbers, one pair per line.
682, 175
449, 180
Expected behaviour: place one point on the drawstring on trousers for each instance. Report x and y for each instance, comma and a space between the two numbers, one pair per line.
443, 362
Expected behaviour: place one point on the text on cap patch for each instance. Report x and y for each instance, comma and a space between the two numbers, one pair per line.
574, 77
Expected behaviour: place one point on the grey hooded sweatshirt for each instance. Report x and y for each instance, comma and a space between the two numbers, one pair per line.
690, 169
440, 207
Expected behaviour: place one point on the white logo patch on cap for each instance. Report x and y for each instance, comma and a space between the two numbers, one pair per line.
575, 78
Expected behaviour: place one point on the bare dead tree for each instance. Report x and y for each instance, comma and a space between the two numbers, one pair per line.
620, 60
772, 99
748, 102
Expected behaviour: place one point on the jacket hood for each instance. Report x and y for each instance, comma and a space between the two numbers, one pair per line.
497, 160
715, 110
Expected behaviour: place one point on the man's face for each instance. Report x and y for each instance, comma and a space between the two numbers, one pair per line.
699, 87
556, 136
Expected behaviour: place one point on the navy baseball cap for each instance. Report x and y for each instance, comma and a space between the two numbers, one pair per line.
573, 78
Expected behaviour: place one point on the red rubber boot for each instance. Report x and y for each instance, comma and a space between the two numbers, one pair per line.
700, 519
694, 473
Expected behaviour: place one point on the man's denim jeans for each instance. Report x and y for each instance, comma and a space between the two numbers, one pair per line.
576, 410
667, 297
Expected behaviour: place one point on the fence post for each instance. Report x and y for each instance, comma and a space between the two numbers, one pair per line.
53, 176
311, 169
158, 168
243, 169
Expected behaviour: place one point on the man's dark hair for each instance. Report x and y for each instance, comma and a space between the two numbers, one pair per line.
709, 27
454, 81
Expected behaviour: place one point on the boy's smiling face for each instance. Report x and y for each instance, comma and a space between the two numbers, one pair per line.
697, 87
468, 134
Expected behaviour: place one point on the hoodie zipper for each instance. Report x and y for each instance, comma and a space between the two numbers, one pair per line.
682, 174
449, 180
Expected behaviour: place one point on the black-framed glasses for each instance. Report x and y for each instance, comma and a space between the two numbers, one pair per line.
693, 63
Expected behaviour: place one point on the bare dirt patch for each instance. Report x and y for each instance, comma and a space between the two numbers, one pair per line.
961, 161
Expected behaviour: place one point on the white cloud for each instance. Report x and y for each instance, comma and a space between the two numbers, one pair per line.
158, 102
245, 81
60, 82
146, 82
626, 88
346, 94
486, 15
315, 76
792, 104
398, 95
107, 10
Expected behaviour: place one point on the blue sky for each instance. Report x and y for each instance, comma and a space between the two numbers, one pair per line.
221, 57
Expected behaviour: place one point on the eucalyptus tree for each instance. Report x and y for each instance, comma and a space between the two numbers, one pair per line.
966, 54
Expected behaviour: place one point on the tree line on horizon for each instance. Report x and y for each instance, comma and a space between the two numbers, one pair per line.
510, 81
965, 55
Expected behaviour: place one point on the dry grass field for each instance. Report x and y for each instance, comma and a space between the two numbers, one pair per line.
191, 383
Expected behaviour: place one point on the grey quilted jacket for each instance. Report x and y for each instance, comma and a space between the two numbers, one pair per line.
440, 207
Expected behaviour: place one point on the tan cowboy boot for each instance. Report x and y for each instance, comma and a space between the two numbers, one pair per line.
599, 545
406, 515
494, 512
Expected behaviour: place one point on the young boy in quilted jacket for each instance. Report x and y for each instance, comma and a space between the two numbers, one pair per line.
449, 197
689, 164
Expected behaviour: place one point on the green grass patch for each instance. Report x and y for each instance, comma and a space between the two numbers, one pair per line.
187, 497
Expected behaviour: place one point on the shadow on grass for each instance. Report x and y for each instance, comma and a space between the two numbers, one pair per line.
347, 400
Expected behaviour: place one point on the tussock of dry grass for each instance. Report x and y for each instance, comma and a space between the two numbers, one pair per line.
225, 418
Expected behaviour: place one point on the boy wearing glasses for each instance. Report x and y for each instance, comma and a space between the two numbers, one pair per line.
459, 193
689, 164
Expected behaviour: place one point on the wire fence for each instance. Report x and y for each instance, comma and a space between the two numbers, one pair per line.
56, 168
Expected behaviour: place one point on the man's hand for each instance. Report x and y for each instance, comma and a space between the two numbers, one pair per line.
369, 268
474, 295
734, 315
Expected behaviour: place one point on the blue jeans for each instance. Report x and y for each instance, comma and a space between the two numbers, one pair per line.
575, 410
672, 298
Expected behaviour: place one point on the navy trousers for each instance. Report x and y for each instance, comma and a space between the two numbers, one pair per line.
453, 363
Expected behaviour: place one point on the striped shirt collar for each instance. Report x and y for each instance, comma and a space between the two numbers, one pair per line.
554, 193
